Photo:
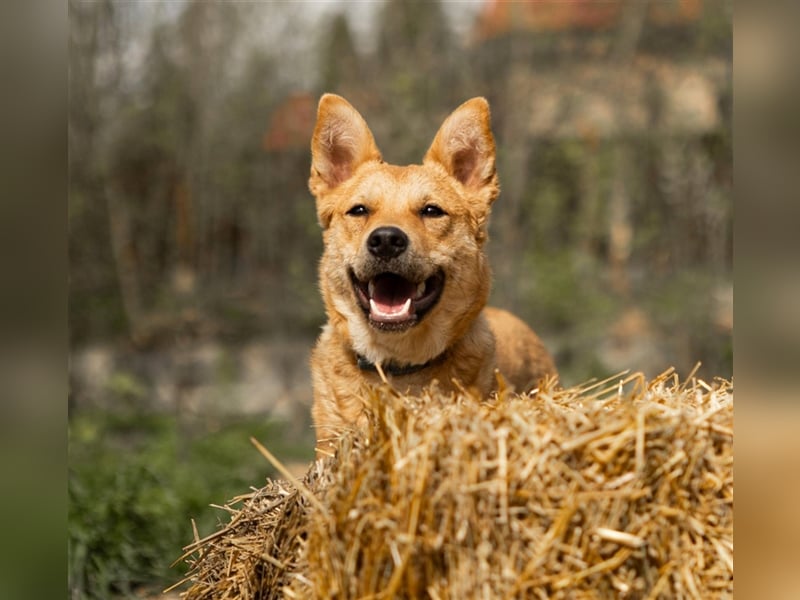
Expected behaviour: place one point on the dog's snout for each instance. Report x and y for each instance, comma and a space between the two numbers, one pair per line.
387, 242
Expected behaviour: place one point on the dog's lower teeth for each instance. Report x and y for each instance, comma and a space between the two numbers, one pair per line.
396, 314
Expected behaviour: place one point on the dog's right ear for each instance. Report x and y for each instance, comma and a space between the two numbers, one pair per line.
341, 143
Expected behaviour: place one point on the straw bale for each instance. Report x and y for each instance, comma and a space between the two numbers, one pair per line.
619, 489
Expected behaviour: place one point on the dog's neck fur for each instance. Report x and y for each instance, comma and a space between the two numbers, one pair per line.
395, 369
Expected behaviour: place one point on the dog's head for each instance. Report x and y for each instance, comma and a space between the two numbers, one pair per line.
403, 266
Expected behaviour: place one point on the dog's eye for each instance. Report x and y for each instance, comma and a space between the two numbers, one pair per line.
359, 210
431, 210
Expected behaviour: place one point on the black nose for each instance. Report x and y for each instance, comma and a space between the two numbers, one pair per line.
387, 242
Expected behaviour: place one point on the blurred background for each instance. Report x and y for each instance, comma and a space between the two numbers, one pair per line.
193, 239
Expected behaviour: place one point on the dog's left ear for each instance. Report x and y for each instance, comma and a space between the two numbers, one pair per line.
464, 146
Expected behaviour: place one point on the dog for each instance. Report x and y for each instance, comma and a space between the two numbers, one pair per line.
403, 275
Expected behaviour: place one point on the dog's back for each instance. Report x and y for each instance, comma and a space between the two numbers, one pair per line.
520, 355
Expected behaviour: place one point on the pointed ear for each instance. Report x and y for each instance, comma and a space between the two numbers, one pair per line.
341, 142
464, 146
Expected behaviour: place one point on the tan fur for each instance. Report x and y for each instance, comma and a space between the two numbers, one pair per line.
465, 341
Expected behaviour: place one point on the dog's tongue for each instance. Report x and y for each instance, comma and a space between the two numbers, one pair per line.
390, 297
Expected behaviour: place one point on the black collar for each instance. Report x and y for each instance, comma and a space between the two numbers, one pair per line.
394, 369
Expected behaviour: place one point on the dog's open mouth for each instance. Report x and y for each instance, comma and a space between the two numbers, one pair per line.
394, 303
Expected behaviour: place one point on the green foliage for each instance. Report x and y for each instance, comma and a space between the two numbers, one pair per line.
136, 481
125, 386
683, 305
560, 291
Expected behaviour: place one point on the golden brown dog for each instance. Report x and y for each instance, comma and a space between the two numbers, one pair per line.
404, 276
